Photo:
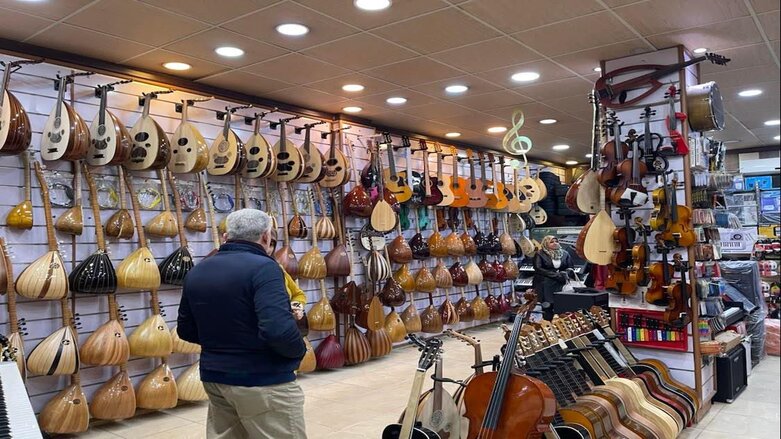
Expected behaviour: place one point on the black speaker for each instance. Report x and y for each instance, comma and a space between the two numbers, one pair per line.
731, 375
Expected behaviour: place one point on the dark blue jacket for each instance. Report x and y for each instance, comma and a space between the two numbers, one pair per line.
235, 305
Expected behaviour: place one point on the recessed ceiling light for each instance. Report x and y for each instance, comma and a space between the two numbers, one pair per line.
525, 76
777, 138
228, 51
372, 5
750, 92
497, 129
548, 121
453, 134
560, 147
589, 155
457, 88
177, 66
352, 109
773, 122
396, 100
353, 87
700, 50
571, 162
597, 69
292, 29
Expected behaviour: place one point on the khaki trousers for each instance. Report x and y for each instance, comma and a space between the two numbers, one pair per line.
268, 412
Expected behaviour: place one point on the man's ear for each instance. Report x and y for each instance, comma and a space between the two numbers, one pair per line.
224, 237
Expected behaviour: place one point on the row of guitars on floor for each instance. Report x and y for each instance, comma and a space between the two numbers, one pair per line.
570, 378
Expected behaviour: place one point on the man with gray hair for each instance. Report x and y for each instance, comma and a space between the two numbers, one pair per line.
235, 305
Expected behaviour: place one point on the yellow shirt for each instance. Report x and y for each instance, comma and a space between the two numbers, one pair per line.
293, 290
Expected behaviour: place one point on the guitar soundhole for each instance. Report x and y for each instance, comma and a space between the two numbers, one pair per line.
254, 150
182, 141
143, 136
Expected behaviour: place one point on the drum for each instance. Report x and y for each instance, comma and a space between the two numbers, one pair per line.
705, 107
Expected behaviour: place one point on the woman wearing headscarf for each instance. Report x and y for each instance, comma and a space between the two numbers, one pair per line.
550, 273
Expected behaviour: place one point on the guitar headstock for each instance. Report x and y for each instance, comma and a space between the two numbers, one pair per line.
539, 334
560, 323
532, 339
431, 350
470, 155
717, 59
549, 331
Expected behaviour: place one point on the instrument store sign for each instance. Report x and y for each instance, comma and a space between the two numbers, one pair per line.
737, 240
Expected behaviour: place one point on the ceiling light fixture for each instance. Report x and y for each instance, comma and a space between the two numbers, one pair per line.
750, 92
772, 123
525, 76
177, 66
396, 100
229, 52
548, 121
597, 69
700, 50
453, 134
352, 109
560, 147
571, 162
353, 87
495, 130
457, 88
372, 5
292, 29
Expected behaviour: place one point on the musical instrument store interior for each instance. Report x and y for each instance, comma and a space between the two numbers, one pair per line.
492, 219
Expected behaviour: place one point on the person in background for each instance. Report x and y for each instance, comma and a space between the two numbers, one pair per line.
297, 296
550, 273
235, 304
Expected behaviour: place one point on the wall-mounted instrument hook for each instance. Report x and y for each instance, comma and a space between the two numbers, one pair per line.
20, 62
100, 89
152, 95
179, 106
250, 120
240, 107
298, 130
275, 125
405, 143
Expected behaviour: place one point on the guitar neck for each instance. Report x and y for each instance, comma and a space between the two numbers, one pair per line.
60, 97
410, 413
102, 110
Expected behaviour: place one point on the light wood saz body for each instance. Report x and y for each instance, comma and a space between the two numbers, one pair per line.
189, 386
189, 151
45, 278
138, 271
157, 391
115, 399
261, 160
15, 342
67, 412
598, 243
151, 147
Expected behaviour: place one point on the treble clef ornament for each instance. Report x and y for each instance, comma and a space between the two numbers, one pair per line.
513, 142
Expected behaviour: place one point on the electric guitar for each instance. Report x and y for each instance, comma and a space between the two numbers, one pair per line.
408, 429
151, 148
110, 140
227, 155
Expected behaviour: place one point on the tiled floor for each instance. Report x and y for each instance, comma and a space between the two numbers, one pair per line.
357, 402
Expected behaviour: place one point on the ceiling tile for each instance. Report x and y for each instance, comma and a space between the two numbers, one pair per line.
262, 26
475, 121
767, 101
557, 39
740, 58
413, 72
770, 23
733, 33
660, 16
577, 106
585, 61
414, 99
504, 14
18, 26
617, 3
487, 55
437, 88
776, 45
305, 97
437, 31
89, 43
488, 101
202, 46
345, 10
761, 6
334, 85
535, 111
754, 119
732, 132
741, 77
374, 52
211, 11
296, 68
135, 21
51, 10
438, 110
245, 82
154, 61
548, 72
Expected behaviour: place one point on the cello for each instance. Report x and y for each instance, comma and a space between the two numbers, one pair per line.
491, 413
